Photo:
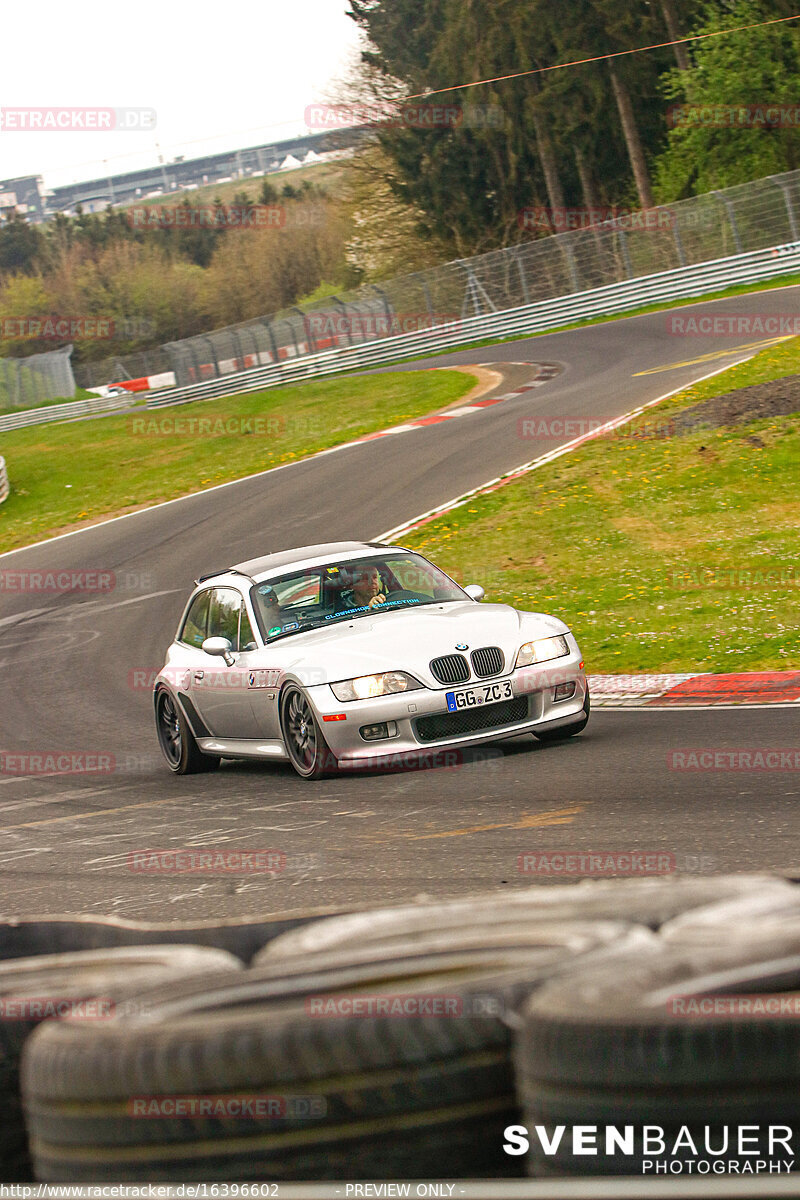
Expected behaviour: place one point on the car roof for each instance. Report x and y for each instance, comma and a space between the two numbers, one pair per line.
269, 565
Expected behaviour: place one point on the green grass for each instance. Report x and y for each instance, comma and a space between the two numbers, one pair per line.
64, 475
655, 550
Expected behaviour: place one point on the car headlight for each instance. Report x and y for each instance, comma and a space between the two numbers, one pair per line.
542, 650
367, 686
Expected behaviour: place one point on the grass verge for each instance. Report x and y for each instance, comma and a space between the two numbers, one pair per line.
66, 475
663, 553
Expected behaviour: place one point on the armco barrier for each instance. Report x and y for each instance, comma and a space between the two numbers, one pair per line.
4, 485
63, 412
685, 282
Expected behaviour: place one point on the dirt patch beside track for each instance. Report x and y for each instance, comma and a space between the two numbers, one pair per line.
778, 398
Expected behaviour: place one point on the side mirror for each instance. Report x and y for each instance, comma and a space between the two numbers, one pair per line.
475, 592
220, 647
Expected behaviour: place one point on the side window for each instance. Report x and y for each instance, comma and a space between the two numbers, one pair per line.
194, 627
223, 619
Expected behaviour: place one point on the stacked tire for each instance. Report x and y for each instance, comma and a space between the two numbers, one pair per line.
406, 1042
382, 1063
688, 1038
90, 986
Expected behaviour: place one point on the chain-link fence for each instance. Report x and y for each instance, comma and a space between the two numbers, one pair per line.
138, 364
748, 217
26, 382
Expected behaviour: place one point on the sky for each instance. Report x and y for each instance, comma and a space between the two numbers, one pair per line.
218, 75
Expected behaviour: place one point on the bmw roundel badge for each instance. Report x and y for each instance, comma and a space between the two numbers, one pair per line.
462, 646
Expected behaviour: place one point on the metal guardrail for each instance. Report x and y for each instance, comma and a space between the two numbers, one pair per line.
608, 246
683, 283
63, 412
4, 484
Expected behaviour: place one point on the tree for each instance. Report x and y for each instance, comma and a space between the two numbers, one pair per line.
564, 135
741, 77
22, 246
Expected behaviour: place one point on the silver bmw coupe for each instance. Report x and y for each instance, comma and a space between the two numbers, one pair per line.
354, 655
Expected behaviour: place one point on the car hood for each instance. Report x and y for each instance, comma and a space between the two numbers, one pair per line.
406, 640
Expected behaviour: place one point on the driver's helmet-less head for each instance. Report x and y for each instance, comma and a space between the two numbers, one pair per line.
366, 577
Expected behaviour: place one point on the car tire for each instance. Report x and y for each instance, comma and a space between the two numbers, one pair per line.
181, 752
566, 731
400, 1094
648, 901
33, 990
764, 911
243, 937
646, 1044
305, 745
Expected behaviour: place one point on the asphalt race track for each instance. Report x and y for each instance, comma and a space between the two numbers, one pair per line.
74, 674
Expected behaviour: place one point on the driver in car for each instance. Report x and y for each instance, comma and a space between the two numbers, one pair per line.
366, 590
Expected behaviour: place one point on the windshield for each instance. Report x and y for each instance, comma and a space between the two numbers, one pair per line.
314, 597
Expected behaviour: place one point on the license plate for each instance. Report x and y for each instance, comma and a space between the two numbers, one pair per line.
487, 693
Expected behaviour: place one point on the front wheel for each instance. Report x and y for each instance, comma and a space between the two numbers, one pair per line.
183, 755
566, 731
307, 749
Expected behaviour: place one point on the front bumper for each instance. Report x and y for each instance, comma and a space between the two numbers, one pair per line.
533, 707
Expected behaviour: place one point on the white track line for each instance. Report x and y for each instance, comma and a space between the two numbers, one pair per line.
661, 708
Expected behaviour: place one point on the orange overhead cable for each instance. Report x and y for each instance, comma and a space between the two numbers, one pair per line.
579, 62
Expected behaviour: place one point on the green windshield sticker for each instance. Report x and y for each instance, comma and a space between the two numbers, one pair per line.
275, 629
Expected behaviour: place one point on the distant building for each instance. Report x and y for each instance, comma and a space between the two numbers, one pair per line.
22, 195
182, 174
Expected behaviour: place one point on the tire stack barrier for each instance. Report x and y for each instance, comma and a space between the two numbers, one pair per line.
5, 487
57, 935
404, 1042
